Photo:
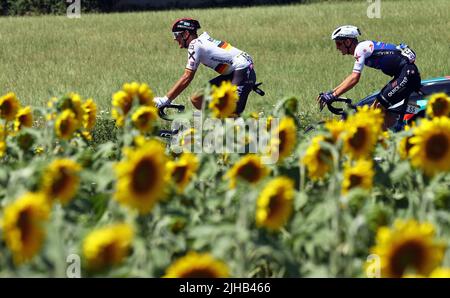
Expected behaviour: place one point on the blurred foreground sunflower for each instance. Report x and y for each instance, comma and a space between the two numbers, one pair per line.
248, 168
275, 203
22, 226
317, 160
284, 138
197, 265
181, 171
107, 246
66, 124
223, 100
24, 118
141, 176
9, 105
358, 175
408, 247
431, 145
61, 180
144, 118
439, 105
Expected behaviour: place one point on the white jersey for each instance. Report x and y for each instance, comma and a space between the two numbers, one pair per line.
362, 51
216, 54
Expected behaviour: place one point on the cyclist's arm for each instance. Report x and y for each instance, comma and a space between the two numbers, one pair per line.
181, 84
362, 51
347, 84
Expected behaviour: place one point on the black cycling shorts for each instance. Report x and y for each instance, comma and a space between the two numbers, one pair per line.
244, 79
401, 86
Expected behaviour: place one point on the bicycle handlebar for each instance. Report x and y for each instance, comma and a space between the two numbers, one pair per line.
340, 111
162, 112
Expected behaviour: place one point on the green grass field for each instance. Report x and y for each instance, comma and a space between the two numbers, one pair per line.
48, 56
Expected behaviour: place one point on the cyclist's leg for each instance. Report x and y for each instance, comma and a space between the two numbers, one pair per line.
245, 79
397, 89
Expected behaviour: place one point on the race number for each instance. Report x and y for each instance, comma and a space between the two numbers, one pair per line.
412, 108
407, 52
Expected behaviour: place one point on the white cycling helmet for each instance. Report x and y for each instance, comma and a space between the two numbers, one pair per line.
345, 32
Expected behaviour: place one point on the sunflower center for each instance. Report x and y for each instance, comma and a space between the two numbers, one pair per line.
199, 273
249, 172
179, 173
222, 102
355, 180
437, 147
6, 108
359, 138
25, 225
440, 107
324, 156
109, 254
65, 126
144, 176
408, 145
275, 204
410, 254
61, 182
283, 137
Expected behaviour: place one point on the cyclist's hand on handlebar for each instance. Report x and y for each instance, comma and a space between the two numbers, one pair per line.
325, 98
161, 101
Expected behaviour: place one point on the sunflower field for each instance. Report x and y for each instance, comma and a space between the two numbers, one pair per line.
346, 199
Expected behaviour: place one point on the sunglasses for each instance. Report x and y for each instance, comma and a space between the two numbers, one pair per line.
176, 34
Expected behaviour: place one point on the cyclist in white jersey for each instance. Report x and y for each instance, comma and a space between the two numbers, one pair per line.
231, 63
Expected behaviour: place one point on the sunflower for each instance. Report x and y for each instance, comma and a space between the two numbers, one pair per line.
223, 100
180, 172
61, 180
23, 226
107, 246
2, 148
9, 105
122, 103
197, 265
248, 168
318, 160
72, 102
141, 91
284, 138
335, 127
408, 247
360, 136
404, 146
440, 273
90, 114
431, 145
359, 175
144, 117
141, 176
24, 118
66, 124
439, 105
275, 203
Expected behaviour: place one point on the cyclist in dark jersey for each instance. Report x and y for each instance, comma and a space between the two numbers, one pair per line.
396, 61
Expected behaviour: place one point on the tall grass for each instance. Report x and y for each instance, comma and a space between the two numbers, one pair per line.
48, 56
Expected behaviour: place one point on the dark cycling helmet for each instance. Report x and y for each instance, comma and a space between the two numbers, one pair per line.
185, 24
